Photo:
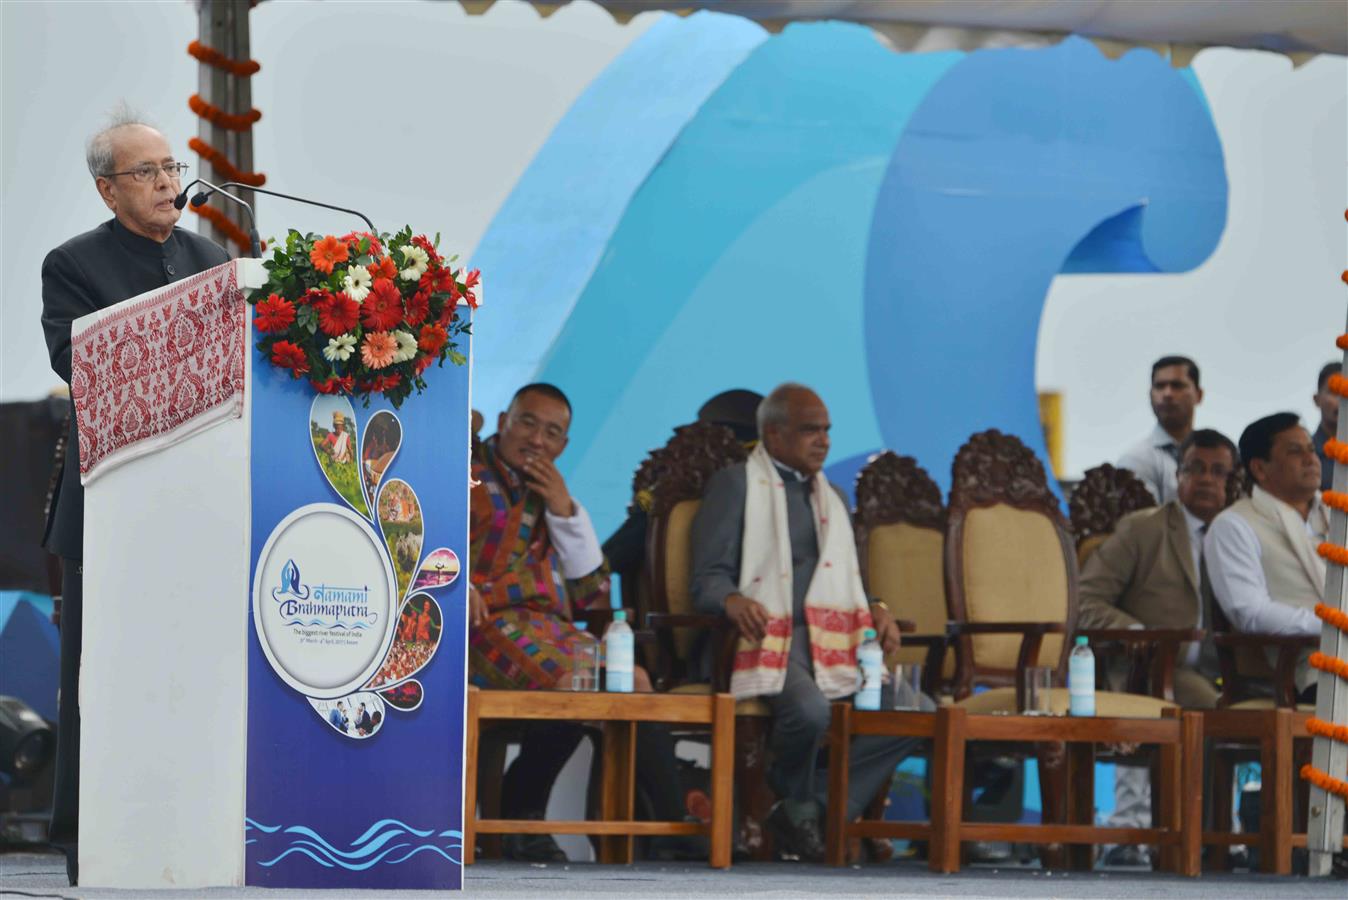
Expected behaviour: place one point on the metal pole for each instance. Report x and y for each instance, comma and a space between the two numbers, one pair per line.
223, 25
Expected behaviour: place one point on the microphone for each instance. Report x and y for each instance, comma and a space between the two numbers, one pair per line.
245, 187
254, 240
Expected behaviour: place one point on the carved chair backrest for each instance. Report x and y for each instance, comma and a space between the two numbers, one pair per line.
1008, 556
670, 483
1104, 496
900, 532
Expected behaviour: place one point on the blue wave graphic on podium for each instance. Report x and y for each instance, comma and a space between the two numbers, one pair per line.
388, 841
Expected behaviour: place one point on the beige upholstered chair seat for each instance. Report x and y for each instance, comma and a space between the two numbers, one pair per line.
1268, 703
1108, 704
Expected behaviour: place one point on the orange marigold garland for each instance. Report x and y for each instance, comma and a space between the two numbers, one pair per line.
1337, 451
224, 166
1337, 618
1335, 500
1329, 664
224, 224
1325, 729
1337, 384
217, 116
1334, 553
1341, 342
210, 56
1323, 781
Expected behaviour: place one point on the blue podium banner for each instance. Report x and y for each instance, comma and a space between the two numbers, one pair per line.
356, 659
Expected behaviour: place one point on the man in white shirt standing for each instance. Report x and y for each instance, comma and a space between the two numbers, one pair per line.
1174, 394
1261, 552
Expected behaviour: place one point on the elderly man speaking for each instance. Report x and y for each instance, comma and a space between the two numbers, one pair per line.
137, 250
773, 550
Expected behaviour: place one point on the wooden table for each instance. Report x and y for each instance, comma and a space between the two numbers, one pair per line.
1179, 736
618, 715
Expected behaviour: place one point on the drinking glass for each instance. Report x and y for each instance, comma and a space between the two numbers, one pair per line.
1038, 683
908, 686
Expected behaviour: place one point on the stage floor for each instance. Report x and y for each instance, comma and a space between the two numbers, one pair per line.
44, 876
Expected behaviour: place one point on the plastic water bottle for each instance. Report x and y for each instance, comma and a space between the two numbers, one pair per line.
584, 660
871, 662
618, 654
1081, 679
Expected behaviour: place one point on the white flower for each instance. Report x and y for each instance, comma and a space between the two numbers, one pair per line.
357, 283
418, 261
407, 346
339, 349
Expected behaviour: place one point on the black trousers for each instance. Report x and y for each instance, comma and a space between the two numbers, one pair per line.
65, 815
548, 745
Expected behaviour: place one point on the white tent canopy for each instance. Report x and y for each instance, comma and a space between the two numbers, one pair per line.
1175, 28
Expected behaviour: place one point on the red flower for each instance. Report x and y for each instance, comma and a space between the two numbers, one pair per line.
417, 307
422, 364
354, 237
432, 338
469, 282
274, 314
333, 385
383, 308
439, 281
289, 356
337, 314
386, 382
383, 268
425, 244
312, 296
327, 253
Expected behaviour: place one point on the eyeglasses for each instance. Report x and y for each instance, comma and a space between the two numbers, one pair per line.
1197, 469
147, 172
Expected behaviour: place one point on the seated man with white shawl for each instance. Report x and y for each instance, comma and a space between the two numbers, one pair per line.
773, 550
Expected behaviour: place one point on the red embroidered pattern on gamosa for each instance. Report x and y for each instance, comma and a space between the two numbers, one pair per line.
153, 368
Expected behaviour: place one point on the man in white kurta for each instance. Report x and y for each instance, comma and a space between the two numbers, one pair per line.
1261, 552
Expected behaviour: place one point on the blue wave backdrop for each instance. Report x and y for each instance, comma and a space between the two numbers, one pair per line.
882, 226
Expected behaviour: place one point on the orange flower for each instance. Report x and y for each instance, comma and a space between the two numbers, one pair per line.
378, 349
327, 253
384, 268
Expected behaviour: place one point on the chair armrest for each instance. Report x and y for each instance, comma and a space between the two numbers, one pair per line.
937, 645
959, 629
1289, 648
1141, 635
1156, 653
906, 626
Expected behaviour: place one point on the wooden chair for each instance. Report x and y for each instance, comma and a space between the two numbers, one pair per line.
1011, 575
1103, 497
1268, 727
674, 478
900, 532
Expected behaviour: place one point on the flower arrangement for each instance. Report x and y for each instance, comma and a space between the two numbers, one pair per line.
361, 314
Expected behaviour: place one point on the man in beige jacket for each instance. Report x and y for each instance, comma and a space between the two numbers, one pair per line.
1148, 574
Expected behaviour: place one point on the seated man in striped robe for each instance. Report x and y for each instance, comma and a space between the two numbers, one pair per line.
534, 559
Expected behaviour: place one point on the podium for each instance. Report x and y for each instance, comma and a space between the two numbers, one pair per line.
272, 684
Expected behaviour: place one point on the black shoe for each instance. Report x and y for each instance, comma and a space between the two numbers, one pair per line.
532, 847
799, 839
678, 848
1127, 856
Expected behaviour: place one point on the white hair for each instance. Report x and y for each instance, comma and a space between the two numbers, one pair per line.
773, 409
98, 152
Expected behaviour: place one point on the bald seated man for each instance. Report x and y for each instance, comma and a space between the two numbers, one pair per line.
800, 618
